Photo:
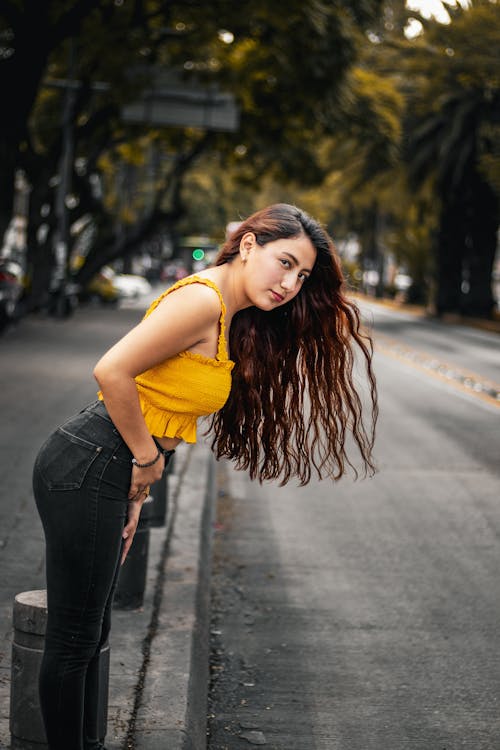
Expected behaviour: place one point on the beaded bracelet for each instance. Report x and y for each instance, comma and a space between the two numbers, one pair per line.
149, 463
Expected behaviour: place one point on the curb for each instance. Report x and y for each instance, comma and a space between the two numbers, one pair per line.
171, 694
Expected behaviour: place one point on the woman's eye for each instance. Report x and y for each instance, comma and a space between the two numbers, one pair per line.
284, 262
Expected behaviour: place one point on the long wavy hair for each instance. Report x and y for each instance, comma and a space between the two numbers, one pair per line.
293, 401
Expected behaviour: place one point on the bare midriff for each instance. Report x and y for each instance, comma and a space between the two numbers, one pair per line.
168, 443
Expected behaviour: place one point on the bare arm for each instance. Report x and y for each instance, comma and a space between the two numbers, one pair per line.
184, 318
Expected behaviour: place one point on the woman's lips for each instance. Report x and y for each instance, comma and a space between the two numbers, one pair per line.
277, 297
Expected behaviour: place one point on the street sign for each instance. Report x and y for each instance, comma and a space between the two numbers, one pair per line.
170, 101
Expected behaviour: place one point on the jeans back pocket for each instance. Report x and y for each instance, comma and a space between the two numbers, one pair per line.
65, 459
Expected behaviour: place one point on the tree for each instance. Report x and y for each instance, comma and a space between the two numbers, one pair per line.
415, 161
284, 97
453, 133
29, 32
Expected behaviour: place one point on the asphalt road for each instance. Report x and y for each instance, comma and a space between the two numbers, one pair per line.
366, 615
455, 347
350, 616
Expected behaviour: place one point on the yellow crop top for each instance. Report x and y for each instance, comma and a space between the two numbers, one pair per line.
174, 393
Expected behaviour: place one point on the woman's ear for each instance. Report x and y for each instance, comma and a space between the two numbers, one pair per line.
247, 243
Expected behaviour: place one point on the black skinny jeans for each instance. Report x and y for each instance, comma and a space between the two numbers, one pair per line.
81, 480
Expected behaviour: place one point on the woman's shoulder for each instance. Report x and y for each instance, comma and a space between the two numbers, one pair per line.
195, 291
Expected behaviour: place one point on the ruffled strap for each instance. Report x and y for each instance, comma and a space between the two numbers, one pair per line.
222, 353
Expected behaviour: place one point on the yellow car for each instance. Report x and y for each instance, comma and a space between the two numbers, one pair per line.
101, 289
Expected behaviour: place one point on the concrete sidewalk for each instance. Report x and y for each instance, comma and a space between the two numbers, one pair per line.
159, 655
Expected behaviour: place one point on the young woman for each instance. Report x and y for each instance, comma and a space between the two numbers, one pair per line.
264, 341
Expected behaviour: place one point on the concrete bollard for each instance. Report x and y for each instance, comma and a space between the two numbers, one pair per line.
131, 583
159, 493
26, 724
171, 464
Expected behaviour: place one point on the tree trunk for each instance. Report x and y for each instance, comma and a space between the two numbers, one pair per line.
39, 240
8, 154
482, 243
20, 77
449, 254
106, 251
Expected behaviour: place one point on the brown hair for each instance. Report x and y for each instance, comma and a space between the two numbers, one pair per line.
293, 398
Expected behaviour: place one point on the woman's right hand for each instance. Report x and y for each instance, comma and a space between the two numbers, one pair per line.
139, 490
141, 479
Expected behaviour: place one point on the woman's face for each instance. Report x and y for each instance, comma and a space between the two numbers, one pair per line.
275, 273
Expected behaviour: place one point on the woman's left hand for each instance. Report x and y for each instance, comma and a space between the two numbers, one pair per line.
134, 511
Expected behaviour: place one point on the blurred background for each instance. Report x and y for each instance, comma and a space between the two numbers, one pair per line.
133, 132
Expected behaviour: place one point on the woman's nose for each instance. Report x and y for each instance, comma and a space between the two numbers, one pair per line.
288, 282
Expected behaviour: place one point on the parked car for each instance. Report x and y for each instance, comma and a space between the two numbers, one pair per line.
101, 289
108, 287
129, 285
11, 290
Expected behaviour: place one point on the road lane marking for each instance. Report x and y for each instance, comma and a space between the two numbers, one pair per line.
465, 381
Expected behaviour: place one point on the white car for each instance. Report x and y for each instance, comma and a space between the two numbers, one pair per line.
129, 285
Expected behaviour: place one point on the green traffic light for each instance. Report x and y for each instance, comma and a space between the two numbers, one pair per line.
198, 254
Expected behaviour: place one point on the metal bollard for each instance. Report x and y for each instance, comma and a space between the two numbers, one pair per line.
26, 724
131, 583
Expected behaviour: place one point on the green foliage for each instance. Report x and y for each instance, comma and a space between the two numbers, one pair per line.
340, 112
455, 96
283, 68
422, 131
453, 144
